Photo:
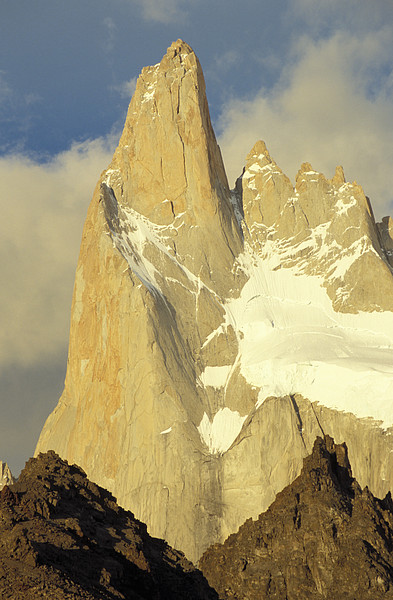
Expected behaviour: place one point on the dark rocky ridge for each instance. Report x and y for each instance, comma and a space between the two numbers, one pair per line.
323, 537
63, 537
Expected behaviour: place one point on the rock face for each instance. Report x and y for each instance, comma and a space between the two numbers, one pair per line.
214, 334
323, 228
323, 537
62, 536
6, 477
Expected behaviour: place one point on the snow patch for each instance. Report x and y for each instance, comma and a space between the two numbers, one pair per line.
131, 236
110, 176
220, 433
166, 431
343, 207
147, 96
216, 376
235, 202
131, 233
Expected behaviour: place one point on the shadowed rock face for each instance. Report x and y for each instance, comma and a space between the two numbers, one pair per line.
323, 537
62, 536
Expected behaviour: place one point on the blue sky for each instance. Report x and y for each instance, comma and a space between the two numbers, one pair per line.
67, 62
313, 79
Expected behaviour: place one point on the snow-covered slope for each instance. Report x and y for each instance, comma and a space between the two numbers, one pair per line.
292, 341
290, 338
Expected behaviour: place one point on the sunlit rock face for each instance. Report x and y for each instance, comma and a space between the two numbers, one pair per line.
214, 334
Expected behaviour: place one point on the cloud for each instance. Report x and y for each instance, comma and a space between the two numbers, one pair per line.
222, 64
110, 37
10, 100
16, 114
224, 61
166, 12
126, 89
332, 104
5, 89
43, 209
351, 15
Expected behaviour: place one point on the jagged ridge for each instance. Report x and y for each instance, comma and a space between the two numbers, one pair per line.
323, 537
62, 536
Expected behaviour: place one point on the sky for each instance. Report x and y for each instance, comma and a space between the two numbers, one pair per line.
312, 78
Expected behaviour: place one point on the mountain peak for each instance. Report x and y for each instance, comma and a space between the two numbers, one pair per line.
193, 306
179, 59
168, 166
179, 48
257, 150
331, 460
168, 152
306, 170
338, 178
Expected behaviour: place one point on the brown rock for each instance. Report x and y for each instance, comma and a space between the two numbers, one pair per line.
323, 537
62, 536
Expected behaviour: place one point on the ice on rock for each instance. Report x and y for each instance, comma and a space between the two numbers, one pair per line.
166, 431
220, 432
292, 341
216, 376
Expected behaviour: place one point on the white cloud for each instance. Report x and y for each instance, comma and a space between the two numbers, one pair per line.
222, 64
110, 34
351, 15
224, 61
5, 89
43, 209
332, 105
126, 89
163, 11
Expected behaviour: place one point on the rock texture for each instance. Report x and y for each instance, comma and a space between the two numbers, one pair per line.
320, 227
323, 537
62, 536
6, 477
213, 333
